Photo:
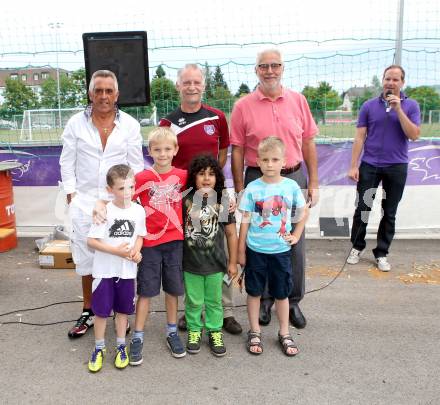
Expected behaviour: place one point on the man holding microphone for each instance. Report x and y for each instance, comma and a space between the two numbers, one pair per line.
385, 125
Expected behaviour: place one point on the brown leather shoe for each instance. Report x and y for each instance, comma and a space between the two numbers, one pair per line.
181, 323
232, 326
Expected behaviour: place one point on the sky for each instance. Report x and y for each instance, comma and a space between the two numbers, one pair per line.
342, 42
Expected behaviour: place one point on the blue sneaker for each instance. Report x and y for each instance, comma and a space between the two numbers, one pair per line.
135, 354
175, 345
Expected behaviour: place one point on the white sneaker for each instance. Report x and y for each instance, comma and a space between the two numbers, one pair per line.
353, 257
382, 264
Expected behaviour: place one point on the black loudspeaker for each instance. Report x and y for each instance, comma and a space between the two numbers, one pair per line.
126, 55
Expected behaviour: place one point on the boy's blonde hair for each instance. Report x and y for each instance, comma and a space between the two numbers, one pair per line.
270, 143
161, 134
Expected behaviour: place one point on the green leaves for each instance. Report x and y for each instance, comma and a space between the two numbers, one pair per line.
321, 99
18, 97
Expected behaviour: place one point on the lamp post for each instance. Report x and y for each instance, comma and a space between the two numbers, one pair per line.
399, 32
57, 26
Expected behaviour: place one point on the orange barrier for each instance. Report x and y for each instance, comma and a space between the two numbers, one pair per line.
8, 232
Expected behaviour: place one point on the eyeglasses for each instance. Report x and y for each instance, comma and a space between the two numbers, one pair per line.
273, 66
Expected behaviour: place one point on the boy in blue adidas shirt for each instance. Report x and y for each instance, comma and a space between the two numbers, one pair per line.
265, 241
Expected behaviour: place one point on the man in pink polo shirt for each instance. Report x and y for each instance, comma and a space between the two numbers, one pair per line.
274, 110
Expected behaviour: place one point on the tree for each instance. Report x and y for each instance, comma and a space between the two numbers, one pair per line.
164, 95
18, 97
49, 93
321, 99
358, 101
218, 78
72, 91
427, 98
78, 78
209, 85
160, 72
377, 85
243, 89
330, 99
222, 99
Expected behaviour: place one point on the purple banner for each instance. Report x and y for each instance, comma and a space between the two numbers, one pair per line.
423, 168
40, 164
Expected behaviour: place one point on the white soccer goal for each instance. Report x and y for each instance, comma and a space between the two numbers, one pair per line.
44, 121
434, 116
152, 120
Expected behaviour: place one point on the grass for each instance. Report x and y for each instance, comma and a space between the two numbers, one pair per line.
328, 133
334, 132
42, 136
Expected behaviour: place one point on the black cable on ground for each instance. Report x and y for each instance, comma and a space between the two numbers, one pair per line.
35, 324
151, 312
36, 308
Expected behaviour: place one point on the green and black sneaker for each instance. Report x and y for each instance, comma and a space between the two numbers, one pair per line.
193, 342
216, 343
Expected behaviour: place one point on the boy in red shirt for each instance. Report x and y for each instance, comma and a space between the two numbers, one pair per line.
160, 191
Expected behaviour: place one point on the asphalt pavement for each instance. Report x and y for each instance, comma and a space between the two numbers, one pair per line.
371, 338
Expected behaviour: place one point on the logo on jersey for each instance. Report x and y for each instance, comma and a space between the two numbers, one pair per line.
209, 129
121, 228
163, 195
181, 121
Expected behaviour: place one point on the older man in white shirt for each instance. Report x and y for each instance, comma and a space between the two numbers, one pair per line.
93, 141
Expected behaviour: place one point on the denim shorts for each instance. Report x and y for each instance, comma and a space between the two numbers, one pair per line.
161, 264
273, 269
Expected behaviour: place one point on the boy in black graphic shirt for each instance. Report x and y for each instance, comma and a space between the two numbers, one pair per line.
206, 222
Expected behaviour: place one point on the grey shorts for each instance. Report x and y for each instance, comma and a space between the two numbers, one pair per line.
161, 264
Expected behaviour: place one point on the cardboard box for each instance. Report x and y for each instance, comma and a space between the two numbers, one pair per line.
56, 255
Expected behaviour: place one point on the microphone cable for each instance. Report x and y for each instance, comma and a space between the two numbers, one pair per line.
386, 124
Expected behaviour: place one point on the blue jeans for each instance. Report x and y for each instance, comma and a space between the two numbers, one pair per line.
393, 180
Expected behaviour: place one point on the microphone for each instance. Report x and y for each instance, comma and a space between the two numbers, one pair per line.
387, 104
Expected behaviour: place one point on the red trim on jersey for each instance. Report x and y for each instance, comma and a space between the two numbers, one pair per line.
205, 131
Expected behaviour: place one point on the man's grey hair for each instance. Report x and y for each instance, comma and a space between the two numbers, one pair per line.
268, 50
192, 66
102, 73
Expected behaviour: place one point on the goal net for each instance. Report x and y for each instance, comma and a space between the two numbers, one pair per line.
45, 124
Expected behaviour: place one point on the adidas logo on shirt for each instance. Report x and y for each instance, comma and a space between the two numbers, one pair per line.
121, 228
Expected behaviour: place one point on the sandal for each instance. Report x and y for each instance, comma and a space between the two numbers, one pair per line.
252, 343
287, 343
